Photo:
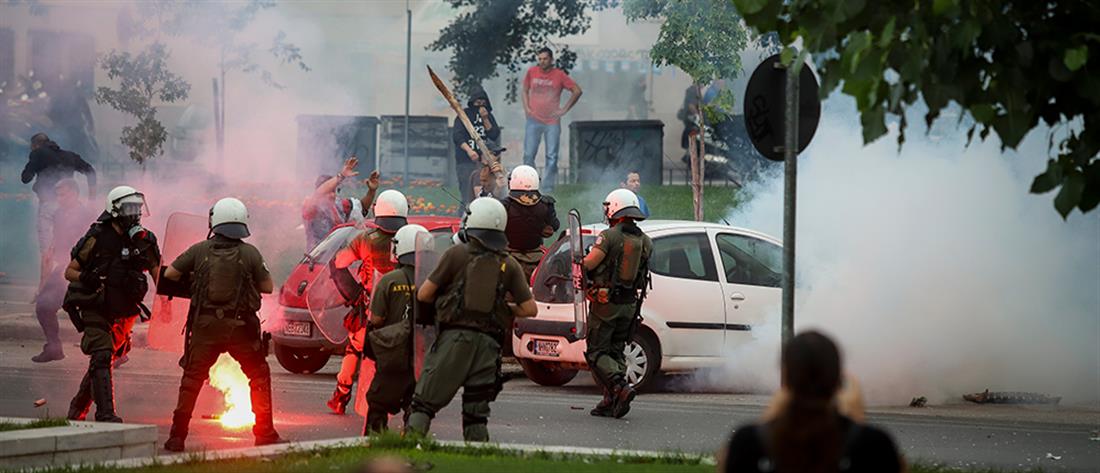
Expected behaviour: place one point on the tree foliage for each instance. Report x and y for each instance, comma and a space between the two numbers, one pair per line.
702, 38
220, 25
142, 80
508, 33
1013, 65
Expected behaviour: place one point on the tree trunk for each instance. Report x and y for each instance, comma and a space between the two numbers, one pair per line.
697, 163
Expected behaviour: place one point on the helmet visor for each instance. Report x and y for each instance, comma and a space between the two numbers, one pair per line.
132, 205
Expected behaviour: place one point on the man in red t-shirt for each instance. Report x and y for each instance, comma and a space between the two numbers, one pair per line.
542, 88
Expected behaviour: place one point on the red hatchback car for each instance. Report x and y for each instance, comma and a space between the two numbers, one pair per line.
298, 342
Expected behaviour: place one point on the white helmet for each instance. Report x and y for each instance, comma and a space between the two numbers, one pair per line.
391, 210
229, 218
485, 221
125, 201
622, 203
404, 243
524, 178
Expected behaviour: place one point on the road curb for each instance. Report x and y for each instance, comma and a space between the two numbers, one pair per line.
291, 447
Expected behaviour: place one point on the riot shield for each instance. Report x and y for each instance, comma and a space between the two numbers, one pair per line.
166, 325
326, 305
427, 258
366, 365
576, 253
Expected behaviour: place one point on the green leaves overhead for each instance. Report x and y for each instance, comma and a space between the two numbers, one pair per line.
508, 33
1009, 64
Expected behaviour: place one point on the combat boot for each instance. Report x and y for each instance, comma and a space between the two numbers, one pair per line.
624, 394
103, 390
603, 408
268, 439
377, 421
82, 401
174, 444
340, 399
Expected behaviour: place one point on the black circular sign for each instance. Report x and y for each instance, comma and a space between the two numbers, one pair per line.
765, 97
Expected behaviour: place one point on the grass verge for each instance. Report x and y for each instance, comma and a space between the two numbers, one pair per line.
38, 424
423, 455
665, 202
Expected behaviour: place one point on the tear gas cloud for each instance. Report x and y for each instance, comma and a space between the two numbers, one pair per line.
934, 268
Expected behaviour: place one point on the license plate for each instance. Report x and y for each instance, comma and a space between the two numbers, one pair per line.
545, 348
298, 329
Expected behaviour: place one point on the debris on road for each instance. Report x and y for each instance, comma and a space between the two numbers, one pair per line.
1011, 397
918, 402
40, 402
1051, 456
576, 408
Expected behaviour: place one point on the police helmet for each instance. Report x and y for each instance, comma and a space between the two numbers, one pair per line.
391, 210
229, 218
622, 203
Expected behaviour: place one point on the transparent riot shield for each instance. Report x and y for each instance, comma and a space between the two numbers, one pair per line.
169, 316
576, 250
326, 304
427, 258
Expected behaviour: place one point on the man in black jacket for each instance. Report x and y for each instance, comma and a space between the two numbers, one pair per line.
467, 155
46, 165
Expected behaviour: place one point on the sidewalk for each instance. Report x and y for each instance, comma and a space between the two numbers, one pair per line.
18, 321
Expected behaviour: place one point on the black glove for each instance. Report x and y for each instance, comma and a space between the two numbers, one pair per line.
91, 279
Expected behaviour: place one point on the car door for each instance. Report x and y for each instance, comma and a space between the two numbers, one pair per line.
686, 294
752, 276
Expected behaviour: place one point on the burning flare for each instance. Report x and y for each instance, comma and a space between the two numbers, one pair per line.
226, 376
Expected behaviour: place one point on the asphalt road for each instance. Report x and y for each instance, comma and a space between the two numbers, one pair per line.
1006, 437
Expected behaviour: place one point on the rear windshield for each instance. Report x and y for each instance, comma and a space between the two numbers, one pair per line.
553, 281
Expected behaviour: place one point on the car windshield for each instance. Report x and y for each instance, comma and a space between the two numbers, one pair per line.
327, 248
553, 281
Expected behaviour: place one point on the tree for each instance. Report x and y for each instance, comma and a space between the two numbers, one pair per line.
220, 25
704, 39
1010, 64
142, 79
508, 33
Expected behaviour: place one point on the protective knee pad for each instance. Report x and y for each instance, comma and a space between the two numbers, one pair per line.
469, 419
481, 393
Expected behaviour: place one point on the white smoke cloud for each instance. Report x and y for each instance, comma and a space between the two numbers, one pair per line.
934, 268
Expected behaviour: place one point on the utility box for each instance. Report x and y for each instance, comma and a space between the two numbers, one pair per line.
325, 141
604, 151
431, 151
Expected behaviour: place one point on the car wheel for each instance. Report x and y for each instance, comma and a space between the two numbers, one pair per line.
643, 361
546, 374
301, 360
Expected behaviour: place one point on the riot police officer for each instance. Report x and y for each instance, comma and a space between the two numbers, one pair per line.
618, 268
372, 247
471, 288
390, 333
227, 277
531, 217
107, 272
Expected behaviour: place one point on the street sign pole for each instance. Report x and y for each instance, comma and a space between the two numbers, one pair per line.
408, 76
782, 111
790, 188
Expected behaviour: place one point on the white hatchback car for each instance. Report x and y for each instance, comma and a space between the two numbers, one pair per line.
712, 285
